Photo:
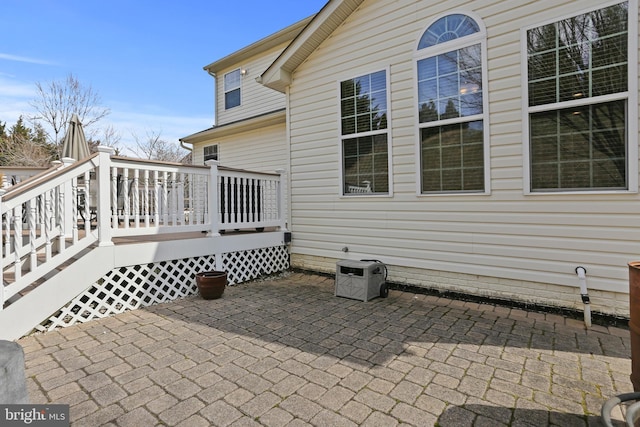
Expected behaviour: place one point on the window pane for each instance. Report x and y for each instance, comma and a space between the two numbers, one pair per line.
364, 97
448, 28
232, 80
579, 148
448, 63
585, 56
347, 89
365, 165
379, 81
452, 158
232, 99
457, 91
427, 68
348, 125
348, 107
542, 65
542, 92
379, 120
363, 122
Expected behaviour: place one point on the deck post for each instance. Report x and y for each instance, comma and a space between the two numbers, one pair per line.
282, 212
68, 202
104, 195
213, 197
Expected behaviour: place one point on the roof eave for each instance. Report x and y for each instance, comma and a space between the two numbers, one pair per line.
245, 125
283, 36
279, 74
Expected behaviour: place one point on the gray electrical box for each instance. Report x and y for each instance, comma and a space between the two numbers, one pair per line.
361, 280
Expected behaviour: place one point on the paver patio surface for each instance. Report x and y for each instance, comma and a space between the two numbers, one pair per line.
287, 352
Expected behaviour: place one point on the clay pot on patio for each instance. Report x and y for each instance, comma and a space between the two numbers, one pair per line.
211, 284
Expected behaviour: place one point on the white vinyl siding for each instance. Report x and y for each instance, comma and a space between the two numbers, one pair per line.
505, 234
262, 150
256, 98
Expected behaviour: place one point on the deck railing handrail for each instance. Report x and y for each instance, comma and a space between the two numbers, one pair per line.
53, 217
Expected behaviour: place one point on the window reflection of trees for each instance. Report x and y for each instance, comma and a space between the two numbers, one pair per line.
450, 85
364, 109
579, 58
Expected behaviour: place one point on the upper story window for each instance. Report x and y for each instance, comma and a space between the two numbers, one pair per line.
365, 134
211, 152
232, 83
578, 101
451, 73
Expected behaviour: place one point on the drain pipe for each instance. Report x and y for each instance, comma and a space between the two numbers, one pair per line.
582, 282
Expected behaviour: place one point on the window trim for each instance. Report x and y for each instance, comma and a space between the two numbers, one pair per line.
225, 91
418, 54
341, 137
631, 96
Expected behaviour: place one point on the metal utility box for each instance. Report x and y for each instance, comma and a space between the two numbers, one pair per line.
361, 280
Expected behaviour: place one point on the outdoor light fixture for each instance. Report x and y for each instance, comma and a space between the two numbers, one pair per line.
243, 71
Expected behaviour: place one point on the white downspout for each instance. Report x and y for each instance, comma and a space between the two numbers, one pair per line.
584, 293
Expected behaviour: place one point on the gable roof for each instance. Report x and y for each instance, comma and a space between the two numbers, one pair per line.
285, 35
278, 75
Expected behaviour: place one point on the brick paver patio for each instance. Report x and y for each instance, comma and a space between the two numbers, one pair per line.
286, 352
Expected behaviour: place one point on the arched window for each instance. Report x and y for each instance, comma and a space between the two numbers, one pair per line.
451, 67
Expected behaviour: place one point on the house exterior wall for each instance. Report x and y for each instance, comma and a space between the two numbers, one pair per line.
507, 243
262, 150
255, 98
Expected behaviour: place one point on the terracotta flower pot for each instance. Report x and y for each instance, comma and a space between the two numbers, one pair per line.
211, 284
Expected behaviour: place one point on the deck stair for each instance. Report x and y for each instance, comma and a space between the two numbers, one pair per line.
107, 220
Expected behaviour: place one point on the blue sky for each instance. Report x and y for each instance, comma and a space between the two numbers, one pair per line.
143, 57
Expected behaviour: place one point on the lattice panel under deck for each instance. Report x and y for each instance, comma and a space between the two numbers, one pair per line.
129, 288
246, 265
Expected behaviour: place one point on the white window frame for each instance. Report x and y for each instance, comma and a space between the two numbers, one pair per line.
477, 38
226, 90
631, 96
387, 131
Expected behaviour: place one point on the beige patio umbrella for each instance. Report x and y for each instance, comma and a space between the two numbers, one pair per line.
75, 144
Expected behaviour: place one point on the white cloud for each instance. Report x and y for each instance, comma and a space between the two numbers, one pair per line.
14, 99
16, 58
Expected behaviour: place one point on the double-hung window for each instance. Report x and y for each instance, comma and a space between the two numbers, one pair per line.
578, 101
452, 109
365, 134
232, 83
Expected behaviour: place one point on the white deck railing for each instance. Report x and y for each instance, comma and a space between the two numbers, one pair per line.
56, 214
12, 175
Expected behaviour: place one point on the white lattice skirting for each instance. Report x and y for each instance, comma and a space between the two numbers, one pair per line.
132, 287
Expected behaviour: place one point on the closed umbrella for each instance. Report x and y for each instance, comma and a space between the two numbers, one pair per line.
75, 144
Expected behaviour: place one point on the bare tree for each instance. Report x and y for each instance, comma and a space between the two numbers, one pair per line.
153, 147
108, 136
23, 146
56, 101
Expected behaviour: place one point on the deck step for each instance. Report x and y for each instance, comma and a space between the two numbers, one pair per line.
9, 276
